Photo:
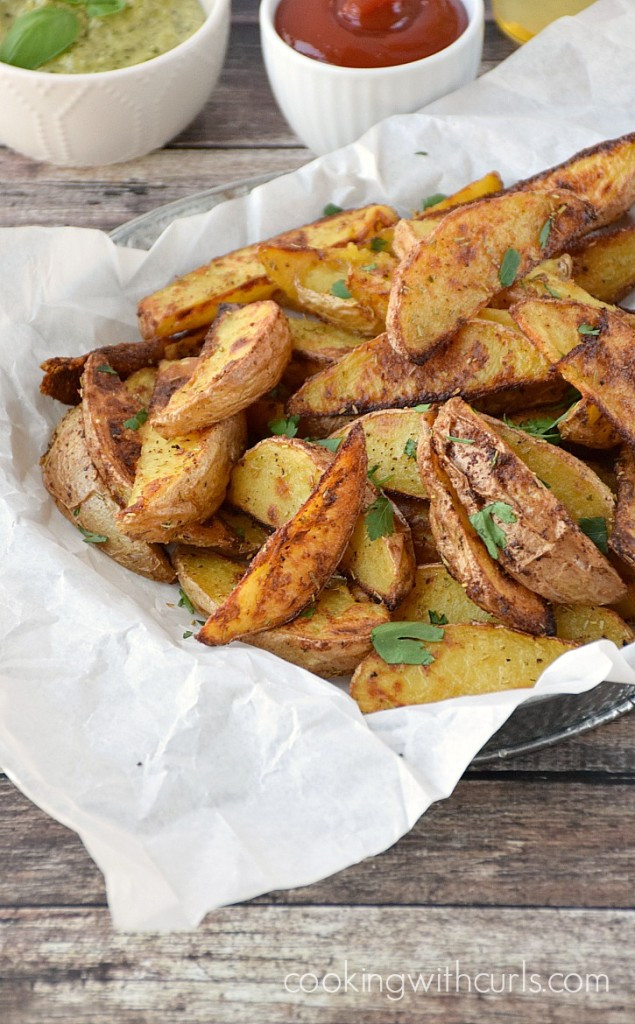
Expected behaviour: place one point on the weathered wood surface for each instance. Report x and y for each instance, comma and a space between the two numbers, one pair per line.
529, 859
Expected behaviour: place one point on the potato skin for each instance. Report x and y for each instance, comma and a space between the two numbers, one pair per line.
544, 548
622, 539
466, 558
471, 659
83, 498
300, 556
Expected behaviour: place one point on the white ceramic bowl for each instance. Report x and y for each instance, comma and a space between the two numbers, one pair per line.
110, 116
328, 106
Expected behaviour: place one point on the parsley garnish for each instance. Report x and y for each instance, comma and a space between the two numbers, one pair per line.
339, 290
287, 426
105, 368
77, 510
588, 329
330, 209
411, 448
424, 407
421, 152
137, 420
399, 643
432, 200
184, 602
188, 633
509, 267
308, 612
379, 518
437, 618
369, 266
542, 427
332, 443
460, 440
545, 231
554, 294
372, 476
378, 244
92, 538
595, 529
489, 531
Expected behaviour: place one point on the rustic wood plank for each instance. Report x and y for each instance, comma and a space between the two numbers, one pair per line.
493, 842
68, 965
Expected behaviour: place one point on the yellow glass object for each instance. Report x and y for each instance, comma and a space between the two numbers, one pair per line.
522, 19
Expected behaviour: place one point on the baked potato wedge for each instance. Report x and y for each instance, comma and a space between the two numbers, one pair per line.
83, 498
622, 539
330, 638
474, 252
466, 557
584, 424
533, 535
391, 446
182, 480
319, 342
470, 659
217, 535
274, 478
244, 356
604, 265
193, 300
296, 562
484, 358
488, 185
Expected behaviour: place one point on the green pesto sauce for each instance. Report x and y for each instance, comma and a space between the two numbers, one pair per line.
145, 29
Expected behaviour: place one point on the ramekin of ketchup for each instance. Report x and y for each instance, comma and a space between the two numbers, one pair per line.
336, 67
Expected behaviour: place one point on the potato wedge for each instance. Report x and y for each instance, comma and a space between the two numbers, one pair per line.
331, 640
219, 537
109, 409
273, 480
391, 446
585, 424
243, 357
582, 624
300, 557
570, 480
82, 497
483, 359
465, 555
182, 480
322, 343
604, 265
603, 174
488, 185
193, 299
622, 540
537, 542
471, 659
474, 252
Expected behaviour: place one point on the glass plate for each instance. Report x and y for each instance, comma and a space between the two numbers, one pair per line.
544, 721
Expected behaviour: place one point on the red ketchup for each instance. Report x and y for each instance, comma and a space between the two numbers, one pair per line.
369, 33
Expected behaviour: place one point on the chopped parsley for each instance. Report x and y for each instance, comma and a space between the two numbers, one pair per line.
287, 426
92, 538
372, 476
339, 290
509, 268
460, 440
308, 612
490, 532
545, 231
424, 407
378, 244
437, 618
379, 518
588, 329
433, 200
332, 443
330, 209
184, 602
400, 643
595, 529
410, 448
137, 420
188, 633
105, 368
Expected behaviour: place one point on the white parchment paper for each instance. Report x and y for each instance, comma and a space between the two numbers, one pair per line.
195, 776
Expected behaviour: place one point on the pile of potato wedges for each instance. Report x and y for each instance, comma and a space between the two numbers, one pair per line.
401, 449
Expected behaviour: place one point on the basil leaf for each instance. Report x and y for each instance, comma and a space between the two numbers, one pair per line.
595, 529
509, 267
545, 231
184, 602
379, 518
287, 426
137, 420
339, 290
411, 448
490, 532
432, 200
378, 244
92, 538
38, 36
588, 329
399, 643
330, 209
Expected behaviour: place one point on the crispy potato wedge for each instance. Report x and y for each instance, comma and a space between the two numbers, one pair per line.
604, 174
449, 276
181, 480
243, 357
331, 640
219, 536
471, 659
539, 544
570, 480
319, 342
408, 234
484, 358
391, 446
604, 265
82, 497
300, 557
436, 596
193, 299
622, 540
466, 558
109, 407
274, 478
585, 424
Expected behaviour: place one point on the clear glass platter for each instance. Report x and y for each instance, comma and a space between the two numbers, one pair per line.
540, 723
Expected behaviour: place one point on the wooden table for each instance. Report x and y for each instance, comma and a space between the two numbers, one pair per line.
531, 861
